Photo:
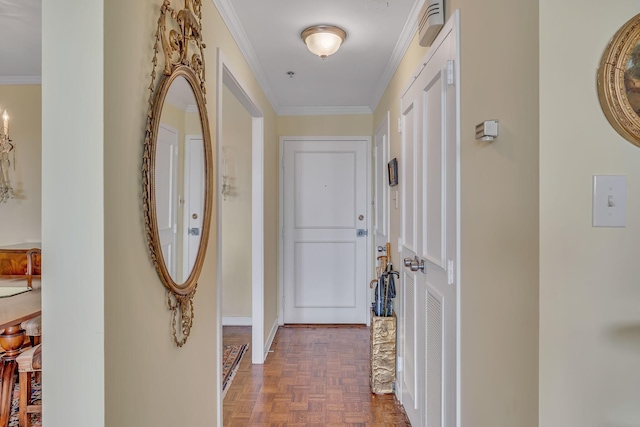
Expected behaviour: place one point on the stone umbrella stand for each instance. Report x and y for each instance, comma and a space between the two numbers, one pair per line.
383, 333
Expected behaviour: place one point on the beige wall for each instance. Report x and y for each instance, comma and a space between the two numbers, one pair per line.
325, 125
499, 214
589, 291
136, 315
499, 208
236, 209
21, 216
139, 349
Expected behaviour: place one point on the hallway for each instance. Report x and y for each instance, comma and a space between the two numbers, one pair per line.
314, 376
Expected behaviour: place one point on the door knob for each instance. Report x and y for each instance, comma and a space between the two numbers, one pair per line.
415, 264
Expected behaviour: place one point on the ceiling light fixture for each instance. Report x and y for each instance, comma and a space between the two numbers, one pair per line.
323, 40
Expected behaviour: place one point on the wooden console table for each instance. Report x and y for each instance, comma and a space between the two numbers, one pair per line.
20, 262
13, 311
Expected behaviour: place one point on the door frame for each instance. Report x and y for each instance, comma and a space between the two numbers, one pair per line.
385, 205
227, 77
369, 202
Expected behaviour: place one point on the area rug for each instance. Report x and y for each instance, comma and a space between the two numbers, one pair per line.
231, 357
36, 396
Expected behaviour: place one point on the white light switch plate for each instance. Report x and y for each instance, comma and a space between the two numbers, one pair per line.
609, 201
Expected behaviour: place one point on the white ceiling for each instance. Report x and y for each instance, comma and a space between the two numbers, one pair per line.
268, 33
20, 41
350, 81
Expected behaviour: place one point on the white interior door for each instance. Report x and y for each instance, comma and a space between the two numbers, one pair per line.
325, 227
166, 193
430, 236
194, 200
409, 338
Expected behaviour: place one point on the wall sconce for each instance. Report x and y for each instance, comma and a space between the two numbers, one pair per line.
226, 185
323, 40
6, 147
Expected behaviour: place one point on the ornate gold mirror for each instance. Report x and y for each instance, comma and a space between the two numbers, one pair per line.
619, 81
177, 171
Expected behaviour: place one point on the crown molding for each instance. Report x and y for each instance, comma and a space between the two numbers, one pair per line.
408, 32
20, 80
237, 32
323, 111
232, 21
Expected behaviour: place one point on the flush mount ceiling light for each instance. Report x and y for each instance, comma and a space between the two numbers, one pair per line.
323, 40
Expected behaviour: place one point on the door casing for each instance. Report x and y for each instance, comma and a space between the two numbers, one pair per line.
227, 76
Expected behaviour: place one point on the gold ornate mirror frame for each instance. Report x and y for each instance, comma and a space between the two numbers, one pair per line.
178, 31
619, 81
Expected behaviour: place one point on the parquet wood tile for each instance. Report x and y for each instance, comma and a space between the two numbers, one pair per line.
314, 376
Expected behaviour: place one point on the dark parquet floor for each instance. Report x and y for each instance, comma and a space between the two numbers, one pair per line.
314, 376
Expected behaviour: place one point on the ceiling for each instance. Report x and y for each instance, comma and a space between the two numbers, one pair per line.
268, 32
20, 41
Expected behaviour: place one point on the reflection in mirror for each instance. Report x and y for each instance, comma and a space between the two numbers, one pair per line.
177, 162
180, 180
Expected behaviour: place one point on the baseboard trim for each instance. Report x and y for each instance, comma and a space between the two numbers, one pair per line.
236, 321
270, 338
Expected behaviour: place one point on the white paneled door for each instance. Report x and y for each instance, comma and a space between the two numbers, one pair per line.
325, 230
429, 180
166, 193
193, 201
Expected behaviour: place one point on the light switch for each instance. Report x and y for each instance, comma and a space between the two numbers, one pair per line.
609, 201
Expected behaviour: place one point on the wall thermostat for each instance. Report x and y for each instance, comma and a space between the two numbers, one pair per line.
487, 130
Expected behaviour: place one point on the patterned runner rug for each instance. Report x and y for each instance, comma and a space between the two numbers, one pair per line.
231, 357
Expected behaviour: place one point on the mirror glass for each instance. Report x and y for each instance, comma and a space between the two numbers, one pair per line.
180, 180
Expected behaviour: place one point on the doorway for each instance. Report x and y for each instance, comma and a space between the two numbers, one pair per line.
227, 78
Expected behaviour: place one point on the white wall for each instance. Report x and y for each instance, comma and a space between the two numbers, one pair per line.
73, 213
589, 289
21, 215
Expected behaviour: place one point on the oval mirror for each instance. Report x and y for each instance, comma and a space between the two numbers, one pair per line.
180, 181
